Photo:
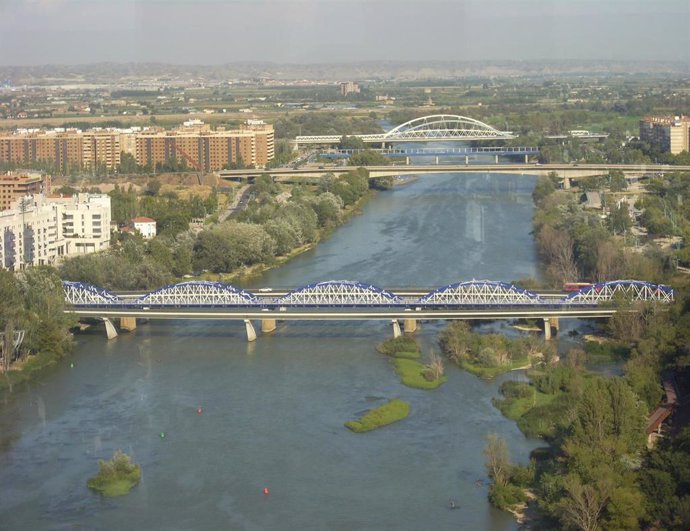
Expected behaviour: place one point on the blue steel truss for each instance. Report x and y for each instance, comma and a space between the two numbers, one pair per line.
197, 293
344, 293
628, 290
83, 294
340, 293
480, 292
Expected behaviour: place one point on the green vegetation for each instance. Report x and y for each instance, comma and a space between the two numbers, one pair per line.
32, 301
390, 412
487, 355
115, 477
266, 230
405, 355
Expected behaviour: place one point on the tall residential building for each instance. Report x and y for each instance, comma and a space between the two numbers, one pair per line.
101, 147
667, 133
14, 185
349, 87
63, 149
40, 231
205, 150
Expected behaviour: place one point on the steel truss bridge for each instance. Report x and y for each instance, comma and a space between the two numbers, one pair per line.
433, 128
334, 295
435, 152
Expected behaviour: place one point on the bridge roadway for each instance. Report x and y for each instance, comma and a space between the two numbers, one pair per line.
563, 170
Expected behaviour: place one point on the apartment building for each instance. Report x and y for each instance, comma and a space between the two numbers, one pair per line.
206, 150
194, 142
39, 231
85, 222
14, 185
667, 133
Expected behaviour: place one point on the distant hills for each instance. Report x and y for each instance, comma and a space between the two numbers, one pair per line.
121, 73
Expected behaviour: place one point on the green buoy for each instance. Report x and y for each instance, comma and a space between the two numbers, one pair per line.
162, 435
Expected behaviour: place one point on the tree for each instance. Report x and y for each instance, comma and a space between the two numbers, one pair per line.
583, 506
617, 182
619, 221
497, 461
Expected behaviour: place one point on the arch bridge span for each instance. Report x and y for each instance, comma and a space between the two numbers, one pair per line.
432, 128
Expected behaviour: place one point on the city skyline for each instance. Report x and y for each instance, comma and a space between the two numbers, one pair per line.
36, 32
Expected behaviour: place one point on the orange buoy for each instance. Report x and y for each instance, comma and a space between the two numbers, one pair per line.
266, 491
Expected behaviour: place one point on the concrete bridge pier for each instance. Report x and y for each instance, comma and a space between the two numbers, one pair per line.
396, 328
407, 161
128, 323
549, 323
526, 159
268, 325
467, 160
410, 326
496, 158
566, 183
110, 330
251, 333
436, 160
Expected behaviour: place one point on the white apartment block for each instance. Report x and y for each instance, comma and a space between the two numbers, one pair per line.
40, 231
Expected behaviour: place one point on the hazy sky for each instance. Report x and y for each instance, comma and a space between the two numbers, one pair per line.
308, 31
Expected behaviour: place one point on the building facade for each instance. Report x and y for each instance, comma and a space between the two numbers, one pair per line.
14, 185
667, 133
202, 149
145, 226
205, 150
40, 231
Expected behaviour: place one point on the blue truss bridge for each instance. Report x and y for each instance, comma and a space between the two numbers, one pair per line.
351, 300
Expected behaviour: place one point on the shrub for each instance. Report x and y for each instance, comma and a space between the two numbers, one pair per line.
390, 412
398, 344
115, 477
414, 374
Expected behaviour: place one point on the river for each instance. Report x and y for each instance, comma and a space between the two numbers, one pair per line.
273, 411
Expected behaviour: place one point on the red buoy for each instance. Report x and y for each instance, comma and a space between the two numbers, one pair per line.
266, 491
199, 411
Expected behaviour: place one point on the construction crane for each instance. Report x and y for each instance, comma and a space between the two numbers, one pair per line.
191, 161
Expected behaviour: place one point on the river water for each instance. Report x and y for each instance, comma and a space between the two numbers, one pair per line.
273, 411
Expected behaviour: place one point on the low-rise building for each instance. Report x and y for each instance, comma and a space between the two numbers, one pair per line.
145, 226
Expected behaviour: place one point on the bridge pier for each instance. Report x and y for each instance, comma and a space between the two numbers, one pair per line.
396, 328
566, 183
547, 329
407, 161
436, 160
410, 326
128, 323
110, 330
251, 333
549, 324
268, 325
526, 159
496, 158
467, 159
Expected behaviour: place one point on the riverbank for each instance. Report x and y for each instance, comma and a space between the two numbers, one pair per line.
249, 273
24, 370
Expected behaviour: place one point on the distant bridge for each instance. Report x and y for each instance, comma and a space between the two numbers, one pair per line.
433, 128
348, 300
564, 171
436, 152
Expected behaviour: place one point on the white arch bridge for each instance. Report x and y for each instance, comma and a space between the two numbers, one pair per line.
348, 300
433, 128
